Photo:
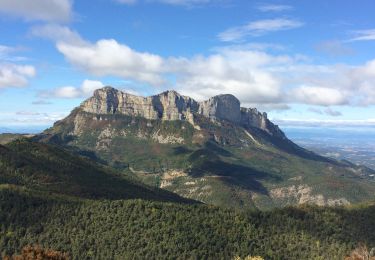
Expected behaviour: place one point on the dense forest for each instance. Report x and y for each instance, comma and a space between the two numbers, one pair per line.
54, 202
141, 229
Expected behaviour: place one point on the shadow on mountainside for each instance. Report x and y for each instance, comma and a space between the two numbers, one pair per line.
206, 162
289, 146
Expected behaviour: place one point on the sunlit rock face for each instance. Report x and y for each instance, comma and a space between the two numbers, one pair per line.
222, 107
170, 105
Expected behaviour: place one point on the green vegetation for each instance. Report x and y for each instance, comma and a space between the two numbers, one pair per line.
216, 163
74, 207
49, 168
138, 229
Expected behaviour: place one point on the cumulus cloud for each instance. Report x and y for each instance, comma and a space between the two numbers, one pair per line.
255, 76
13, 75
108, 57
44, 10
237, 72
318, 96
257, 28
86, 89
274, 8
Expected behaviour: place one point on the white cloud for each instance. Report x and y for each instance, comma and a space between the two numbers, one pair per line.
44, 10
33, 118
66, 92
85, 90
364, 35
5, 50
105, 57
257, 28
256, 77
108, 57
57, 33
318, 96
274, 8
235, 72
88, 86
13, 75
6, 53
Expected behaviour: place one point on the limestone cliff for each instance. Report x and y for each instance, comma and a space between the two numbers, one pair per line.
170, 105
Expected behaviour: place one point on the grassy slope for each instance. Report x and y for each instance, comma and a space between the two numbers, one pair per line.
224, 165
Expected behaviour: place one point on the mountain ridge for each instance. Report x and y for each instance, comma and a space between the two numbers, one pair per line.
170, 105
212, 151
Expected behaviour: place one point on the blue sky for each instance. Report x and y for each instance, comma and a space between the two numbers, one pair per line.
304, 62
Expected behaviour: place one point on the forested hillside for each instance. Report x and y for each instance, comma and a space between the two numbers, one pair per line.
65, 203
50, 168
139, 229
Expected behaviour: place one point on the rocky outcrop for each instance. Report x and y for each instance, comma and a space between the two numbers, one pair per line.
170, 105
221, 107
251, 117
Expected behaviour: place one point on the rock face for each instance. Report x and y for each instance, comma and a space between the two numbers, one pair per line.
251, 117
222, 107
170, 105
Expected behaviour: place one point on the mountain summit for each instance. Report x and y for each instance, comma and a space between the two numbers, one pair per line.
213, 151
170, 105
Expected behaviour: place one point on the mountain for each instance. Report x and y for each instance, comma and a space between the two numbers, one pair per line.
47, 168
213, 151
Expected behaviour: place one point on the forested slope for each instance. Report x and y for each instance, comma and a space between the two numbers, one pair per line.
139, 229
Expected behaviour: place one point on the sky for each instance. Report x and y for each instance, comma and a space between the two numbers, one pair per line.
303, 62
